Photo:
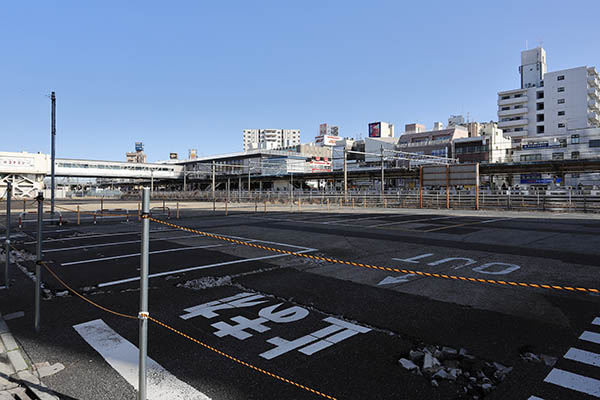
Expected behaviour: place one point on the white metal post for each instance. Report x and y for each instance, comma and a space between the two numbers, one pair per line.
143, 314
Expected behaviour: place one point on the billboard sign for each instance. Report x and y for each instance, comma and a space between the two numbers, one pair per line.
323, 129
173, 156
139, 146
375, 129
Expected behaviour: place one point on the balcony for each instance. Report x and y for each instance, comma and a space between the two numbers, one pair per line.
511, 124
513, 100
594, 104
593, 80
593, 116
508, 113
594, 92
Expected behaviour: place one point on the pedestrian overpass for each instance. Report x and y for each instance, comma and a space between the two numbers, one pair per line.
26, 171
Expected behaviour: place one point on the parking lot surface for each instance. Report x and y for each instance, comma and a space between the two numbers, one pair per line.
333, 329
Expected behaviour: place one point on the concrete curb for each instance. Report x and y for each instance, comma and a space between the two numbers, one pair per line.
13, 365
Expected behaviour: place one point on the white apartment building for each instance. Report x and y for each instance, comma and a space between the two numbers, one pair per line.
549, 103
270, 139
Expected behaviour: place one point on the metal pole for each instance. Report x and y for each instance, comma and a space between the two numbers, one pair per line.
382, 176
52, 154
214, 168
291, 189
38, 264
184, 179
345, 175
249, 198
7, 242
143, 314
447, 186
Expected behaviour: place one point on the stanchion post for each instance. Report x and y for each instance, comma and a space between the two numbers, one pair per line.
101, 203
7, 241
78, 215
226, 203
421, 188
143, 314
447, 186
177, 210
38, 263
24, 206
139, 214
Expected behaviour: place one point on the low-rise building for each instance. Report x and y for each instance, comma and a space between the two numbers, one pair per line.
434, 143
488, 145
269, 139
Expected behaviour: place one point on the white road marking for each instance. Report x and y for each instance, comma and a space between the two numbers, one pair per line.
469, 261
115, 243
137, 254
573, 381
178, 271
582, 356
122, 355
100, 235
596, 321
590, 337
493, 220
395, 279
413, 259
534, 398
410, 221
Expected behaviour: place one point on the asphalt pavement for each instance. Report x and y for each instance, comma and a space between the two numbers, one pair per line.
332, 329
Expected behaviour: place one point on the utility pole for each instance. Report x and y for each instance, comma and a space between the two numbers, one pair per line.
53, 153
345, 175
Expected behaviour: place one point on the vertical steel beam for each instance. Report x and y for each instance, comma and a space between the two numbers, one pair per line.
52, 154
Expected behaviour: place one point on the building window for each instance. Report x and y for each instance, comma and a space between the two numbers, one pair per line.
531, 157
574, 139
516, 130
561, 113
505, 108
594, 143
560, 78
561, 125
540, 95
540, 129
518, 95
540, 117
518, 106
539, 106
561, 101
574, 155
561, 89
505, 97
558, 156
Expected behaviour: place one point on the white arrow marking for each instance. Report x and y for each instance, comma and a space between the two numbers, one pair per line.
397, 279
122, 355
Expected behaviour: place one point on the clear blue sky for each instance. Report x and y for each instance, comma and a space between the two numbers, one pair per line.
193, 74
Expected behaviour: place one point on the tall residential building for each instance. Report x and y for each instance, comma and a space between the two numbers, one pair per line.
270, 138
549, 103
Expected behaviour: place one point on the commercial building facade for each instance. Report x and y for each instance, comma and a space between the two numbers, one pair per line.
270, 139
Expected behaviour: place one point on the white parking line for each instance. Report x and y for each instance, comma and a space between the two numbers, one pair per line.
586, 357
411, 220
115, 243
590, 337
596, 321
178, 271
137, 254
573, 381
534, 398
101, 235
122, 355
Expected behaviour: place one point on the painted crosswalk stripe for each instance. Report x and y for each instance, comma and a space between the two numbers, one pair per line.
586, 357
596, 321
573, 381
590, 337
122, 355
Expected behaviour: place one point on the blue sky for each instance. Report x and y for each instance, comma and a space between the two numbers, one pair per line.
193, 74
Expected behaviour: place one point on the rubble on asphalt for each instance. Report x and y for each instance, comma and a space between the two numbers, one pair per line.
206, 282
475, 378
